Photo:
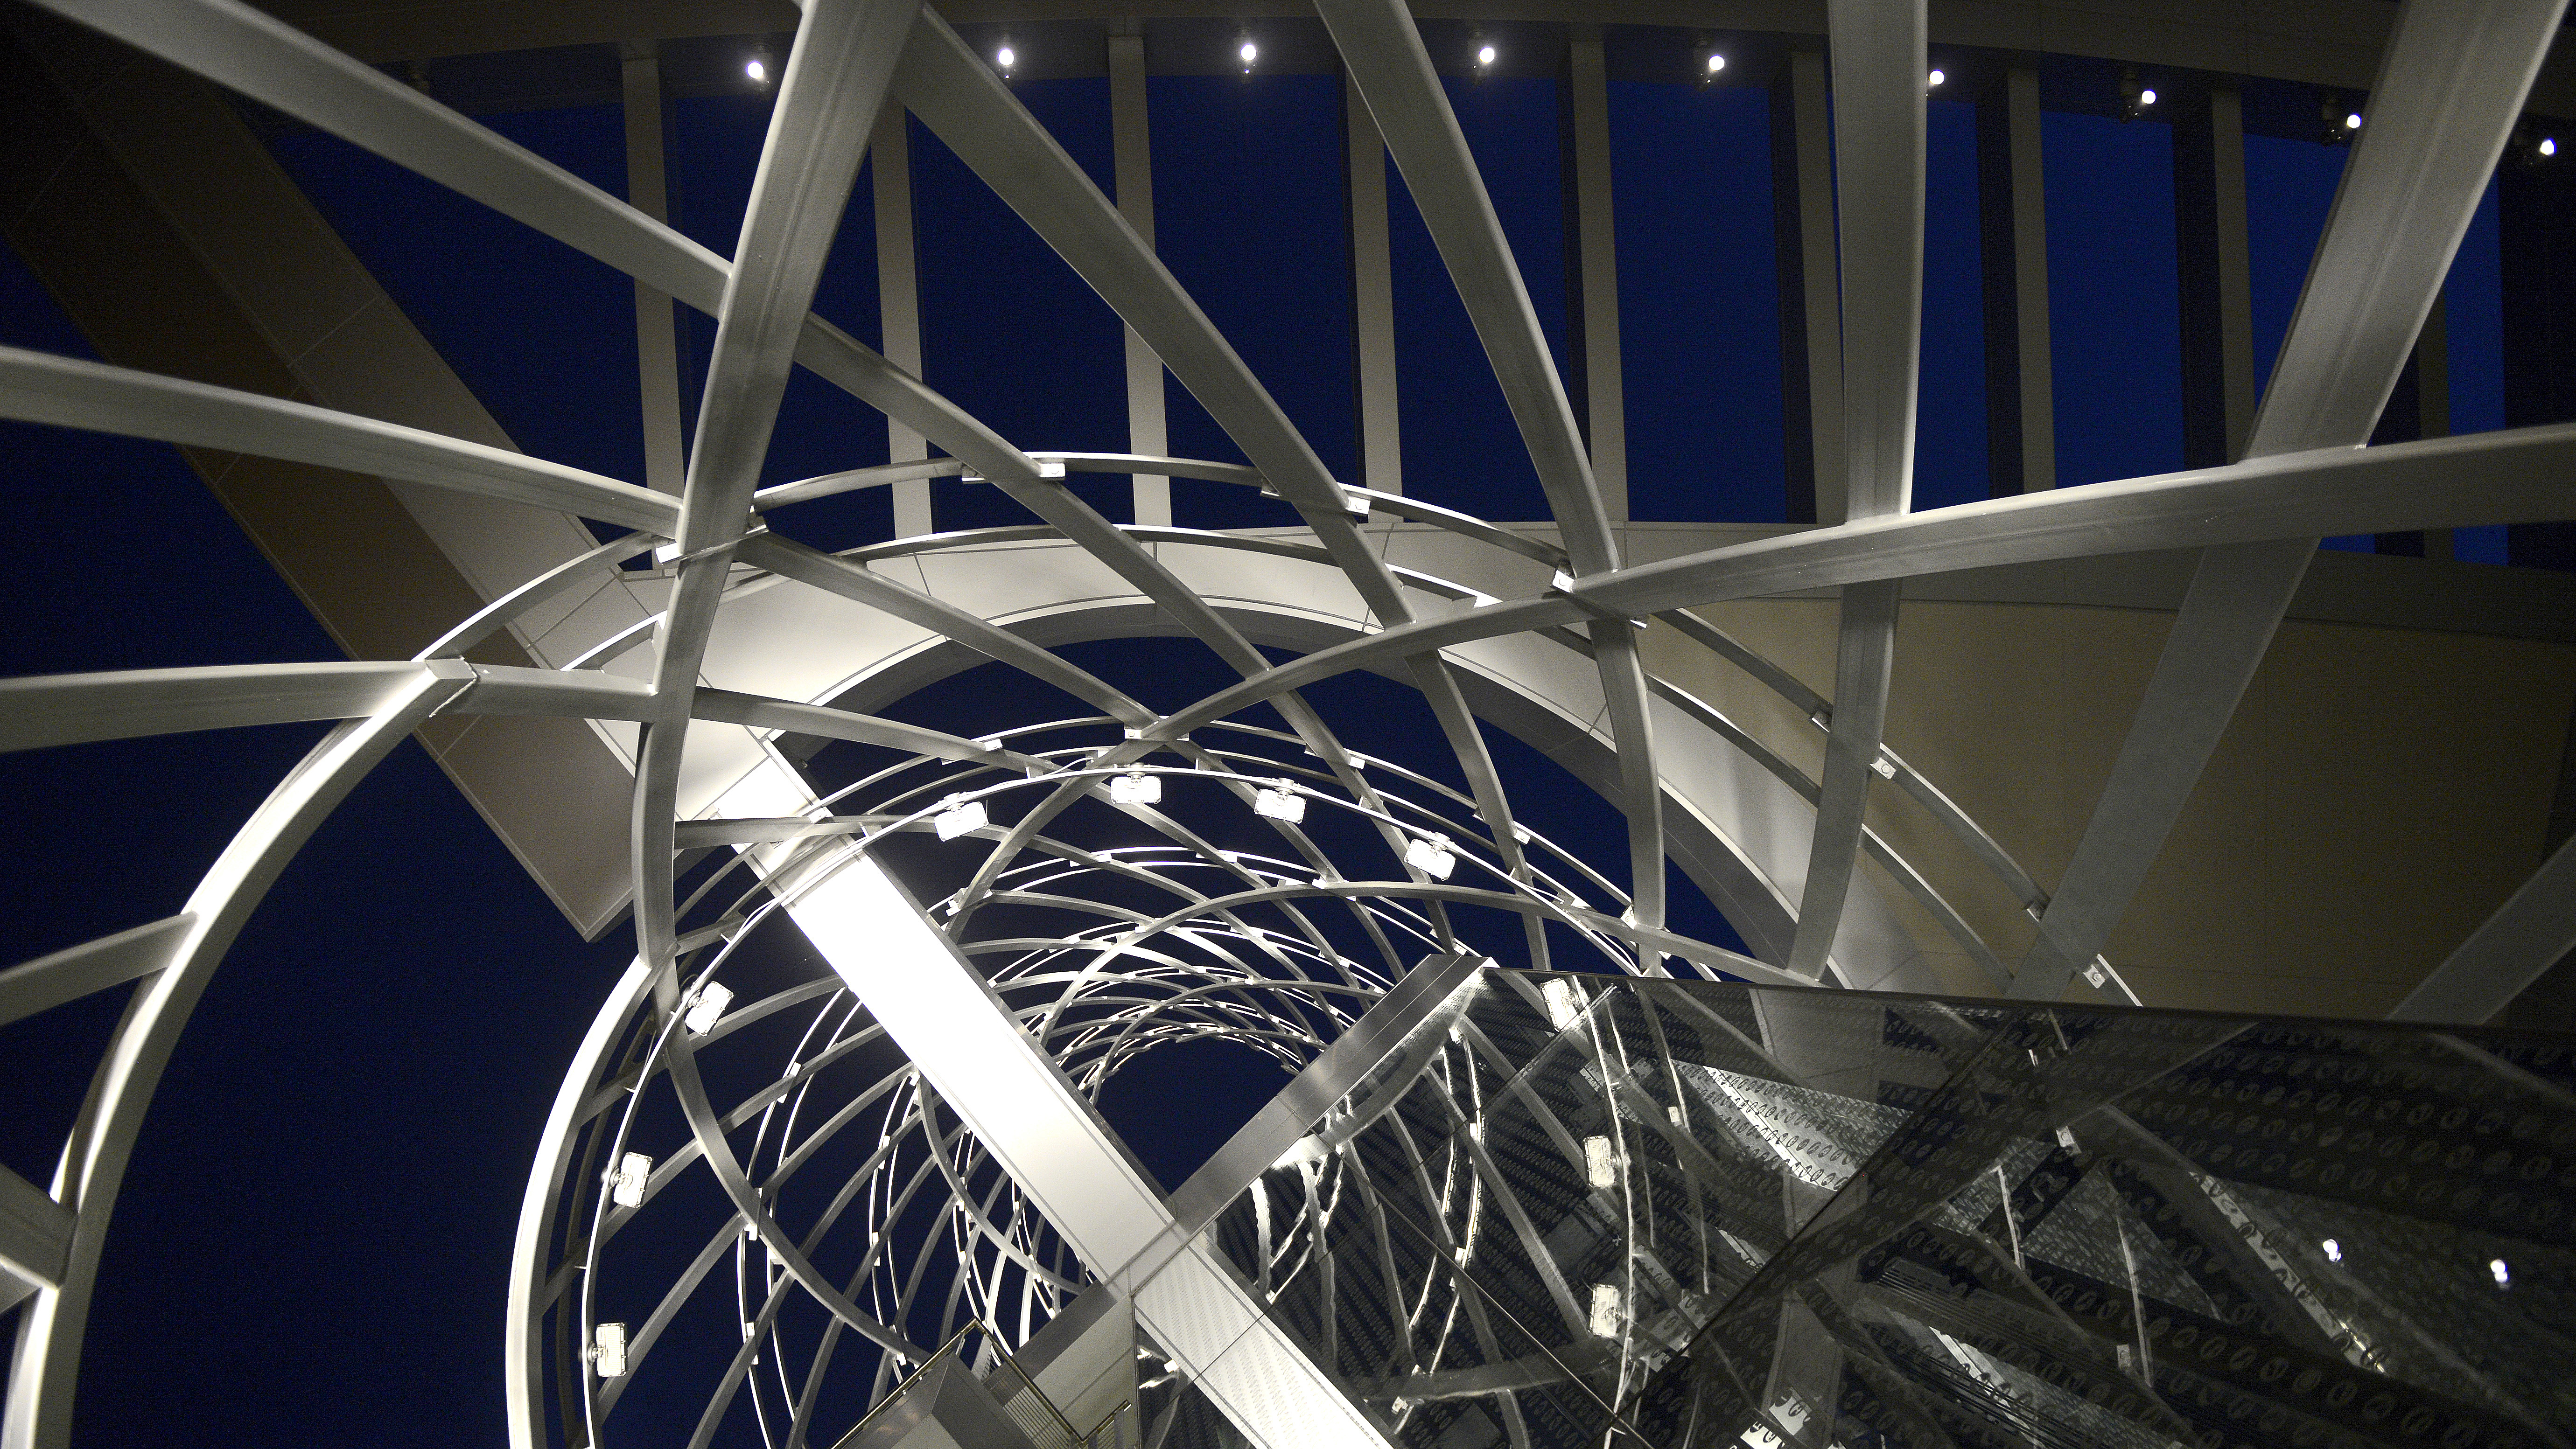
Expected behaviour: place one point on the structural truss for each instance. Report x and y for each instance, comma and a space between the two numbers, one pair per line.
858, 1165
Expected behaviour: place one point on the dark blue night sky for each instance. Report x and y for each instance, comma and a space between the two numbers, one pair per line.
377, 1053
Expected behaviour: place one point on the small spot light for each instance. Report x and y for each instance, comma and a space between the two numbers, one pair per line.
757, 69
1562, 1007
626, 1180
2334, 1250
2503, 1274
1485, 55
1279, 802
2341, 120
1600, 1163
1006, 57
2548, 145
1937, 77
608, 1350
2134, 98
960, 817
1432, 857
1250, 53
706, 1008
1605, 1310
1716, 63
1136, 788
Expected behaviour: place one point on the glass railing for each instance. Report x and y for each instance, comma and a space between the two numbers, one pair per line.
1693, 1213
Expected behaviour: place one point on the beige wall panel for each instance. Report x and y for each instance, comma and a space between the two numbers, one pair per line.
1796, 634
2386, 790
2380, 792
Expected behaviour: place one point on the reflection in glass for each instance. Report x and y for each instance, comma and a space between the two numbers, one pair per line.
1694, 1213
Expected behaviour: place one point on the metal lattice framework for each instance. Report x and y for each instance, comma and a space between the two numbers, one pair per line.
1281, 950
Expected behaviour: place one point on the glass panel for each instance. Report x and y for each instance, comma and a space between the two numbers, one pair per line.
1706, 1213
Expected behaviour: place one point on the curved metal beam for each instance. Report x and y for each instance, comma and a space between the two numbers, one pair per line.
856, 583
968, 107
38, 387
1879, 130
46, 1365
523, 1367
600, 562
2450, 91
2513, 476
64, 709
834, 85
236, 46
2511, 949
1393, 73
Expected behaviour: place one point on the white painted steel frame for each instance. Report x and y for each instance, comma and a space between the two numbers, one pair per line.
45, 1368
2453, 80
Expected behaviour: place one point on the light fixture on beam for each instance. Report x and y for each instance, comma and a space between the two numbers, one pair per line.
1600, 1162
960, 816
706, 1008
608, 1350
759, 67
1708, 59
1005, 58
1136, 788
2134, 97
1431, 856
627, 1179
1247, 52
1607, 1302
1936, 78
1563, 1006
1279, 802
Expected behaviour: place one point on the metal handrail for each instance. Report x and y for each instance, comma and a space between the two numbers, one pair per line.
945, 1350
1092, 1439
1071, 1438
949, 1350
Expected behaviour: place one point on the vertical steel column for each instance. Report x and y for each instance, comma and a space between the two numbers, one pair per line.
2433, 400
1134, 158
2451, 85
1599, 390
2536, 236
2419, 408
657, 341
1880, 115
2021, 424
2217, 292
1372, 296
1811, 327
899, 301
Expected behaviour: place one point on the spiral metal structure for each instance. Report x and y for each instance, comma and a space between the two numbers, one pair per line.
1168, 943
806, 1182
